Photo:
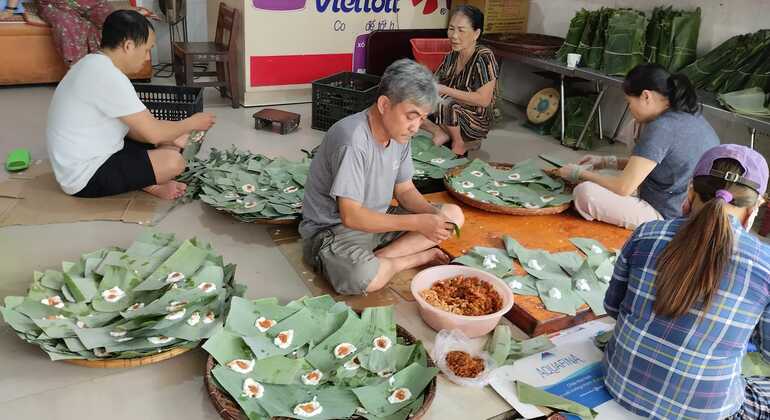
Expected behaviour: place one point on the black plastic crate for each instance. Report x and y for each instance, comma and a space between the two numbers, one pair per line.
171, 103
340, 95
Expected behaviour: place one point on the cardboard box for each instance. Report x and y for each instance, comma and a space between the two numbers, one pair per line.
501, 16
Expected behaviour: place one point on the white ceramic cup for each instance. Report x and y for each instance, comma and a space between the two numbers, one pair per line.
573, 60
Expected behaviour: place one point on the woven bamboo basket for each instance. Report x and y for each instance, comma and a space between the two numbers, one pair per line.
494, 208
229, 409
130, 363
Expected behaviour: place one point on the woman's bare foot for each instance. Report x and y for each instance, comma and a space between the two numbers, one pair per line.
170, 190
440, 137
458, 148
181, 141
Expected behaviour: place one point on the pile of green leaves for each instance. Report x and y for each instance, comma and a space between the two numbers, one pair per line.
431, 161
751, 101
576, 117
741, 62
625, 42
250, 187
525, 185
564, 281
616, 40
574, 34
672, 37
160, 293
355, 386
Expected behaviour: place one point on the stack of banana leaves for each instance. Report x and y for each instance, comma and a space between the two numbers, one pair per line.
431, 161
317, 358
616, 40
574, 35
159, 293
250, 187
576, 116
525, 185
624, 49
751, 101
672, 37
741, 62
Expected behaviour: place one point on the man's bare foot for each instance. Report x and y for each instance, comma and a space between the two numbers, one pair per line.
170, 190
440, 137
458, 148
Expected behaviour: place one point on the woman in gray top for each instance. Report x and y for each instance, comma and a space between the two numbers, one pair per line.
674, 137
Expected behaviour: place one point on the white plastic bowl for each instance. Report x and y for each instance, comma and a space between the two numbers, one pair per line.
471, 326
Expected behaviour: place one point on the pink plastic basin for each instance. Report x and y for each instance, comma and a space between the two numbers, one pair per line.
471, 326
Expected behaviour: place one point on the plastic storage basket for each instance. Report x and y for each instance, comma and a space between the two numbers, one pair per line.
430, 52
171, 103
340, 95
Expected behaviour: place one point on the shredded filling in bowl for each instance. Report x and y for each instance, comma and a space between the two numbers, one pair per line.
462, 295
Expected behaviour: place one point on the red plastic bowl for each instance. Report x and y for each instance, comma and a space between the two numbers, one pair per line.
430, 52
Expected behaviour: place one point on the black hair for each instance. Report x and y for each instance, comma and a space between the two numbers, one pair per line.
473, 14
676, 87
125, 25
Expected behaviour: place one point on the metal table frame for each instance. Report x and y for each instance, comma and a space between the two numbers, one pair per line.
708, 100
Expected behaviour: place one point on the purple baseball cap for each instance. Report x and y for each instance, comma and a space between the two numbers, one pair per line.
754, 165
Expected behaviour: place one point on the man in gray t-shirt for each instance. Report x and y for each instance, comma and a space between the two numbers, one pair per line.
350, 232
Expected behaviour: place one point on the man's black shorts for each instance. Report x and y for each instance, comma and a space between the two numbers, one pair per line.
127, 170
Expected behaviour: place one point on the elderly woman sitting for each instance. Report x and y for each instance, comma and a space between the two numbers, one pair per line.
467, 79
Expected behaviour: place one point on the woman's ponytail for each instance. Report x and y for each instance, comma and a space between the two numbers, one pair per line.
681, 94
691, 266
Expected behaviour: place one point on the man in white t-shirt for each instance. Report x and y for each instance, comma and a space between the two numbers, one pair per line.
101, 139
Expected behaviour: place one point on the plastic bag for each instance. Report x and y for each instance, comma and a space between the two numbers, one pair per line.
455, 340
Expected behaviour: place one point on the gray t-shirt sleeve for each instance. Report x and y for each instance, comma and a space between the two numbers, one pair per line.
350, 174
655, 142
406, 168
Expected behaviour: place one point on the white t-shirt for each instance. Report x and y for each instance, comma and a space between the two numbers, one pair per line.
83, 128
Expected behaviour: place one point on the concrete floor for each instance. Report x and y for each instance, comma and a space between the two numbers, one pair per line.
32, 387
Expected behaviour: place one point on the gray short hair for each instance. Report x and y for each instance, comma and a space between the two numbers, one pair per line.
407, 80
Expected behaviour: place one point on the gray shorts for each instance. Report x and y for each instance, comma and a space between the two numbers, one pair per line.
346, 256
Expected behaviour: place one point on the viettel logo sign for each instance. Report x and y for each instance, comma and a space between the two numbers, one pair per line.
344, 6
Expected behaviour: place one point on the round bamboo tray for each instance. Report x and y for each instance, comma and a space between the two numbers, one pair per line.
494, 208
229, 409
129, 363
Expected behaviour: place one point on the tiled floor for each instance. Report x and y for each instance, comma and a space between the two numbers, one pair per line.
31, 387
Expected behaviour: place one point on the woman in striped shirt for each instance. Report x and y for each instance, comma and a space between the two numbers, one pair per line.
467, 79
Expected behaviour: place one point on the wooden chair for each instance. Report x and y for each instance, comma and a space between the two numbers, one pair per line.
222, 51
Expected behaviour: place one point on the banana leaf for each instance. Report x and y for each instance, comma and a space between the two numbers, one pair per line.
685, 29
576, 116
589, 31
624, 50
652, 37
506, 350
704, 68
743, 56
750, 72
595, 56
574, 35
93, 310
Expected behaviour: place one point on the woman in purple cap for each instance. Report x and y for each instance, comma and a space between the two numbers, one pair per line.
675, 135
689, 295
